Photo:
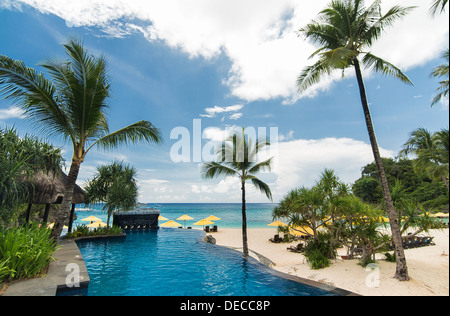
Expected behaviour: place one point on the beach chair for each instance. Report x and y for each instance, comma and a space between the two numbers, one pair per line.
207, 229
429, 241
298, 249
276, 239
214, 229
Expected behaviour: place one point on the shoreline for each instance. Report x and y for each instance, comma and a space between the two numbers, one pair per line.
428, 266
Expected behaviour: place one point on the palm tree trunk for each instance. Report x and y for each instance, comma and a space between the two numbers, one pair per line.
64, 212
402, 269
244, 222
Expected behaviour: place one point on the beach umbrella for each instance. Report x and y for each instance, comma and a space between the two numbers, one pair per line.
170, 224
162, 218
91, 219
301, 231
97, 224
50, 226
203, 222
440, 214
382, 219
277, 224
212, 218
184, 218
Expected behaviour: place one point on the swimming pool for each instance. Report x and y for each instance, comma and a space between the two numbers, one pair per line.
175, 262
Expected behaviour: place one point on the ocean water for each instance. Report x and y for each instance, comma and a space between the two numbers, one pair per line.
258, 214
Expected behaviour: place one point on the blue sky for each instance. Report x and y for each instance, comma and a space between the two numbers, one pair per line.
231, 63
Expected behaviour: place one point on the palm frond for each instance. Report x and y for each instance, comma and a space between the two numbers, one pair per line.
386, 68
438, 6
35, 94
312, 74
139, 131
213, 170
265, 165
339, 58
263, 187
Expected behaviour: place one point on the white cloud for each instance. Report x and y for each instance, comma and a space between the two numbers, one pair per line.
258, 36
12, 112
300, 162
212, 112
217, 134
153, 181
236, 116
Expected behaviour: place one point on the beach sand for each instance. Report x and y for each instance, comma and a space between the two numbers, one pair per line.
428, 266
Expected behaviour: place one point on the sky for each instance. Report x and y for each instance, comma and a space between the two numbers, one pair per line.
195, 68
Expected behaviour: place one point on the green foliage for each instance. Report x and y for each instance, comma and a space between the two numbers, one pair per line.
25, 252
84, 231
346, 30
417, 187
390, 258
20, 159
115, 185
318, 251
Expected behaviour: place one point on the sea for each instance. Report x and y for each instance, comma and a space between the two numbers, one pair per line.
259, 215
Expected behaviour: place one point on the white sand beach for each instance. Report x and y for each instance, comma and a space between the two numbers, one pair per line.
428, 266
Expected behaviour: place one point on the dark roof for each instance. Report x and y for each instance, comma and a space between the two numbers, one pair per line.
49, 189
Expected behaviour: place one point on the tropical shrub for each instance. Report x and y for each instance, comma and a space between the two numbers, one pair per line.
84, 231
318, 251
25, 252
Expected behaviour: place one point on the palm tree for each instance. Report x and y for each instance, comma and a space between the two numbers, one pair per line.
345, 30
238, 158
439, 72
432, 151
115, 185
73, 106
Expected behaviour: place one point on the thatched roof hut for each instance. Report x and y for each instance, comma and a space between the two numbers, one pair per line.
49, 189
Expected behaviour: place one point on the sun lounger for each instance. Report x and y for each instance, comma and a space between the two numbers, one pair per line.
297, 249
207, 229
214, 229
276, 239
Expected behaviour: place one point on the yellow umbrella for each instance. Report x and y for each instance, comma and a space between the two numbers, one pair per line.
170, 224
382, 219
53, 224
440, 214
301, 231
203, 222
184, 218
97, 224
91, 219
277, 224
212, 218
162, 218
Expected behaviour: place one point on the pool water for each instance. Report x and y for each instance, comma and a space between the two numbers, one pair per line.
175, 262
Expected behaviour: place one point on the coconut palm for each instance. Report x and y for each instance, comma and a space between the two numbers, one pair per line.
345, 30
439, 72
237, 157
432, 151
115, 185
73, 106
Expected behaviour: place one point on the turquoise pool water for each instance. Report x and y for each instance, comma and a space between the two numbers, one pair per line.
175, 262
